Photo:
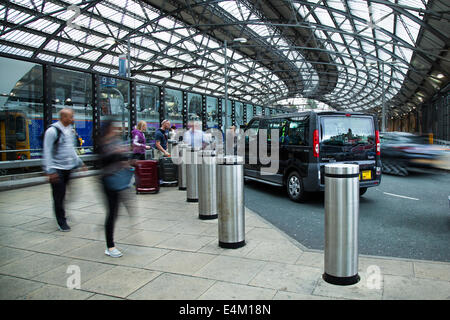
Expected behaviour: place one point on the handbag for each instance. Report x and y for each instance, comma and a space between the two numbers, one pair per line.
119, 180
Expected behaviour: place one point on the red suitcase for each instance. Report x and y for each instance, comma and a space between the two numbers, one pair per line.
146, 176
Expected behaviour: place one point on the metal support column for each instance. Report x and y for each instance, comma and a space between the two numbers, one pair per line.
185, 111
204, 115
48, 113
162, 104
133, 114
95, 109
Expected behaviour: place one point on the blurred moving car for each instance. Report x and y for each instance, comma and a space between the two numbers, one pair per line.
402, 152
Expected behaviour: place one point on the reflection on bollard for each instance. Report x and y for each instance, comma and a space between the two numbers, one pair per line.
207, 186
341, 224
182, 166
230, 195
192, 174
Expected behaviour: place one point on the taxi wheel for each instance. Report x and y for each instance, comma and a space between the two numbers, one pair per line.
294, 187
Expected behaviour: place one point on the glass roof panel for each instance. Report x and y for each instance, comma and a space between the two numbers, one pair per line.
348, 34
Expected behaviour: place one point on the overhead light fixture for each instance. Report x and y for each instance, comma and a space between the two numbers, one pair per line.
440, 76
241, 40
421, 94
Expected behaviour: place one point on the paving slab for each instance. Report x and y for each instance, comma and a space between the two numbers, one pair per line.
8, 255
181, 262
49, 292
33, 265
287, 277
365, 289
406, 288
120, 281
231, 269
12, 288
61, 275
186, 242
214, 248
169, 253
277, 250
59, 245
232, 291
432, 270
172, 287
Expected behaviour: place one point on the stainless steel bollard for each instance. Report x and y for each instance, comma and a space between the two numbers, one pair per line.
230, 195
207, 186
182, 166
341, 223
170, 145
192, 174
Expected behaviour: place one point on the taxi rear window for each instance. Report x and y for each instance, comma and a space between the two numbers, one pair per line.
342, 130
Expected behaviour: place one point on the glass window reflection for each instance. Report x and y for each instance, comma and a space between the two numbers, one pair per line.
239, 114
211, 112
147, 107
114, 103
21, 110
71, 89
194, 107
174, 107
226, 111
249, 112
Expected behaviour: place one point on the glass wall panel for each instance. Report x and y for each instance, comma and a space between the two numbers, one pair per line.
258, 111
147, 107
267, 112
239, 114
21, 110
226, 112
72, 89
194, 107
174, 107
114, 103
211, 112
249, 112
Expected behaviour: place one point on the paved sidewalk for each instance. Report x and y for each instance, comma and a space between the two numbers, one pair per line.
170, 254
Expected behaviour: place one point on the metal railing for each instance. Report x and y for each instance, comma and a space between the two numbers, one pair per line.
13, 164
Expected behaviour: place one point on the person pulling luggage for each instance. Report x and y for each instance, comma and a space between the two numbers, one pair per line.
139, 142
161, 138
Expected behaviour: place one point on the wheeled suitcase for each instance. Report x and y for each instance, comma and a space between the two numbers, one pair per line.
168, 172
146, 176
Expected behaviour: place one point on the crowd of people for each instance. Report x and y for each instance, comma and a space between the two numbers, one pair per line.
60, 159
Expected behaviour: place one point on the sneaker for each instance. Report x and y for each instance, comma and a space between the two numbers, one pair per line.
113, 253
64, 227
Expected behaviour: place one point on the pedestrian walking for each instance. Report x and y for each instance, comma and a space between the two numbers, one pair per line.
116, 176
59, 159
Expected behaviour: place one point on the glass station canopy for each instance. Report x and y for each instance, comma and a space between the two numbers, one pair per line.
345, 53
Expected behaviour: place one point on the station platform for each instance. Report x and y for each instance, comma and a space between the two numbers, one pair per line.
169, 254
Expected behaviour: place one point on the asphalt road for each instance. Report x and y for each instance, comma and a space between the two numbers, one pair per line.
405, 217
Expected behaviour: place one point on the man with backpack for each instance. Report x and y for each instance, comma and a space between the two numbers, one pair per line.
161, 138
59, 159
